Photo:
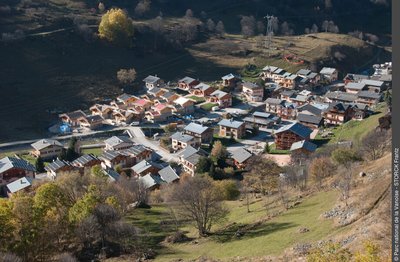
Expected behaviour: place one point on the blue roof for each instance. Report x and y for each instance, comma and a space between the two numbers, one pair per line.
19, 184
13, 162
296, 128
304, 145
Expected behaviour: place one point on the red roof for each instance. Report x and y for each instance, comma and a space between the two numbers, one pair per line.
141, 102
160, 107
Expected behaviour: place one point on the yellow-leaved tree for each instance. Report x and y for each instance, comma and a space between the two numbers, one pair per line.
116, 26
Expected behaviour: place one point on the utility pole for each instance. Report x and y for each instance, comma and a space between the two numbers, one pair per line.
270, 31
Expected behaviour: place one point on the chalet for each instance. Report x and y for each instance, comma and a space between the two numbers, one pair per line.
312, 77
231, 128
72, 118
340, 97
289, 81
151, 181
180, 141
273, 105
168, 175
272, 73
169, 96
12, 168
252, 92
354, 78
117, 105
127, 99
156, 92
47, 148
86, 162
330, 74
303, 147
354, 88
300, 100
202, 90
309, 109
360, 111
190, 162
127, 116
311, 121
110, 159
230, 80
289, 134
186, 105
91, 122
59, 167
287, 110
158, 113
383, 69
223, 99
102, 110
241, 157
19, 184
374, 85
137, 153
261, 119
287, 94
368, 98
338, 113
141, 105
145, 167
117, 143
187, 83
153, 81
203, 133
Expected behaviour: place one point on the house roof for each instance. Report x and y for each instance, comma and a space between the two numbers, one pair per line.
251, 85
181, 100
341, 107
109, 155
327, 70
229, 77
151, 79
270, 68
262, 114
241, 155
312, 119
296, 128
112, 174
303, 145
310, 108
195, 128
168, 174
303, 72
356, 77
312, 75
300, 98
141, 102
342, 96
359, 106
8, 163
94, 118
321, 106
279, 71
74, 115
56, 165
368, 94
142, 166
117, 140
83, 160
202, 86
288, 93
370, 82
230, 123
19, 184
160, 107
355, 86
182, 137
187, 80
168, 94
43, 143
193, 159
188, 151
219, 93
273, 101
135, 150
150, 180
154, 91
124, 97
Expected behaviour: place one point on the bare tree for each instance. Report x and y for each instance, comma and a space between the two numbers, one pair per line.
189, 13
157, 25
332, 27
328, 4
325, 25
314, 29
248, 24
210, 25
321, 168
197, 199
126, 76
275, 24
220, 28
285, 29
343, 182
307, 30
142, 7
375, 143
260, 27
101, 7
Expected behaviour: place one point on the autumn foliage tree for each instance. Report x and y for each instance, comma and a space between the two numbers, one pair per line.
116, 26
321, 168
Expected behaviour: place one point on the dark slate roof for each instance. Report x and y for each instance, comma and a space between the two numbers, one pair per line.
109, 155
13, 162
151, 79
182, 137
94, 118
370, 82
230, 123
75, 115
241, 155
195, 128
273, 101
338, 106
142, 166
83, 160
303, 72
168, 94
124, 97
367, 94
188, 151
300, 98
288, 93
135, 150
116, 140
150, 180
296, 128
251, 85
342, 96
193, 159
310, 108
305, 145
316, 120
168, 174
43, 143
56, 165
262, 114
19, 184
154, 91
112, 174
355, 86
356, 77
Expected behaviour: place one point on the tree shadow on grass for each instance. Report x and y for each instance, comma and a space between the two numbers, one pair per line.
243, 231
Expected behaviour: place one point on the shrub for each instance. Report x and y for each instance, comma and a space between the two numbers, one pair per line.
228, 188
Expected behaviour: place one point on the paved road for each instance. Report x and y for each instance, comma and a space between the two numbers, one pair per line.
138, 136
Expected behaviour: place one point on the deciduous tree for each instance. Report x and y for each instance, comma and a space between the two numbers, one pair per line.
116, 26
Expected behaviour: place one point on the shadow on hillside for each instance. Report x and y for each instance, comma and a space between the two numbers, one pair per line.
241, 231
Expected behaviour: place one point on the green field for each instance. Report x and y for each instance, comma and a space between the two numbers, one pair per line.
208, 106
197, 99
95, 151
265, 238
355, 130
273, 150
